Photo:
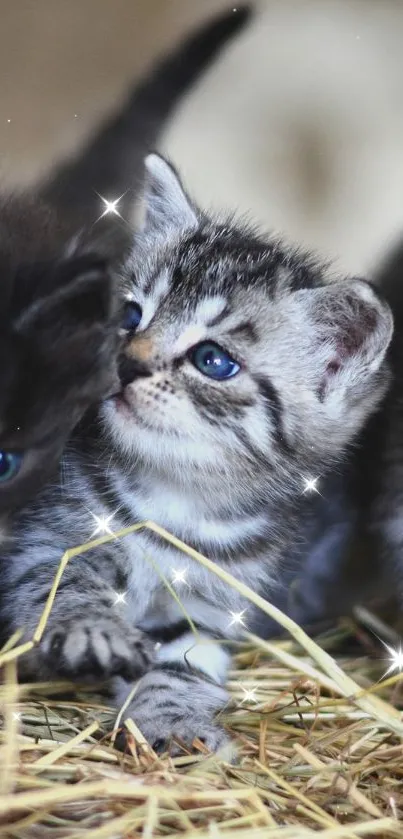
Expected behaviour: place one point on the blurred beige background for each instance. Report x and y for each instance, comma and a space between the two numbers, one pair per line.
300, 124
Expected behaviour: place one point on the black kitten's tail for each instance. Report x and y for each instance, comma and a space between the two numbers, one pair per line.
112, 163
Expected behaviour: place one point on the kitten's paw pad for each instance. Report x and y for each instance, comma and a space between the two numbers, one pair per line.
96, 648
170, 711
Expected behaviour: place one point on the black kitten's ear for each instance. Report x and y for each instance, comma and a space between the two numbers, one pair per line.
166, 205
354, 327
76, 294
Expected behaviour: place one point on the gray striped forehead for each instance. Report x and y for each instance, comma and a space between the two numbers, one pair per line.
218, 260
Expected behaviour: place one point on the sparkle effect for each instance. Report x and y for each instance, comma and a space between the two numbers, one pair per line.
179, 576
310, 485
396, 659
102, 525
120, 597
249, 695
17, 715
111, 207
238, 618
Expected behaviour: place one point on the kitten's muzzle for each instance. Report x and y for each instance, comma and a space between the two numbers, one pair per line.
131, 369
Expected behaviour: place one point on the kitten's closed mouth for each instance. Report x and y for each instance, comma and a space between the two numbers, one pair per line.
121, 404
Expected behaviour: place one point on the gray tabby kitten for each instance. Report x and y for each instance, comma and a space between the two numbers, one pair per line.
246, 372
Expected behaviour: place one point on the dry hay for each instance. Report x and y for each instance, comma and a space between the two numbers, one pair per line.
317, 732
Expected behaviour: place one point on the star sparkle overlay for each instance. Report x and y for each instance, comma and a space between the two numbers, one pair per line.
120, 597
249, 695
237, 618
102, 526
179, 577
395, 658
310, 485
110, 206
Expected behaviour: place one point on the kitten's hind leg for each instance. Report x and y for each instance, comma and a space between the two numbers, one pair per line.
181, 697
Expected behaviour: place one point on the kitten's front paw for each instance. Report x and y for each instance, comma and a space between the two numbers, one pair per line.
173, 707
95, 647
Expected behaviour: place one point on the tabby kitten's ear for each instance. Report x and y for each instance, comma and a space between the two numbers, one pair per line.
353, 327
167, 208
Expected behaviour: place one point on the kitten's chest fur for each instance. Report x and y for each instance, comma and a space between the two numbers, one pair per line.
193, 514
142, 566
148, 561
197, 520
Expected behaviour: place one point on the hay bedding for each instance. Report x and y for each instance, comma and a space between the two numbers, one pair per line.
318, 736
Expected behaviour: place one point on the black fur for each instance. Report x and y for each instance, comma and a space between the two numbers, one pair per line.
58, 336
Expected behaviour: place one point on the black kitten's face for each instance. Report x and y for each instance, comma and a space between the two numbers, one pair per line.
57, 349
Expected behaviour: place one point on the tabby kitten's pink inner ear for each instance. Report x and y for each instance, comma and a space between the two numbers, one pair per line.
356, 328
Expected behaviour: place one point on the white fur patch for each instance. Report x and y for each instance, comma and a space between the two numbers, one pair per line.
191, 336
210, 308
160, 287
201, 653
179, 512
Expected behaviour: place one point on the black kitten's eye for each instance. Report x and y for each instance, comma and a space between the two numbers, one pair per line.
10, 465
131, 316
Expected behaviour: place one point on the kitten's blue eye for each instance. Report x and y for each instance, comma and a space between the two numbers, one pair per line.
131, 316
212, 361
10, 465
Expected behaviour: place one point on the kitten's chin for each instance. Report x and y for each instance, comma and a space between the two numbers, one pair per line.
118, 413
124, 422
122, 407
169, 450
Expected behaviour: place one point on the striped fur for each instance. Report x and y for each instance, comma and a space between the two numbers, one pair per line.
222, 465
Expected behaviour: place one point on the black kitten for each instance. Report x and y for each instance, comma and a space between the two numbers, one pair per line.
58, 335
